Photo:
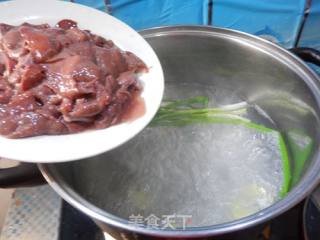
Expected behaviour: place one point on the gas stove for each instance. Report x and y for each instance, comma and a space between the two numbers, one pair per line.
40, 214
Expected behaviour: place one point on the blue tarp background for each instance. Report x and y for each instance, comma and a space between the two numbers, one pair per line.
275, 20
141, 14
311, 30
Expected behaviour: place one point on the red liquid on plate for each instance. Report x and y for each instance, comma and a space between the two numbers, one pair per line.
135, 109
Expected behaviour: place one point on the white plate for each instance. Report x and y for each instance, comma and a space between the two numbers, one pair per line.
82, 145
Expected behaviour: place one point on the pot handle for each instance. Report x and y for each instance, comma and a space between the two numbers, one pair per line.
23, 175
310, 55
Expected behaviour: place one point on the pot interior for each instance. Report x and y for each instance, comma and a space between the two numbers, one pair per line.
209, 172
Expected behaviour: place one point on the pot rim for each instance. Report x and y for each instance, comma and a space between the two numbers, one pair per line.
297, 194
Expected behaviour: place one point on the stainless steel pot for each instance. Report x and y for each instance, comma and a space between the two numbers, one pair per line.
250, 67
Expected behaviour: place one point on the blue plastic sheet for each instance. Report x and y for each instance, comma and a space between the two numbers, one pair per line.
310, 36
141, 14
275, 20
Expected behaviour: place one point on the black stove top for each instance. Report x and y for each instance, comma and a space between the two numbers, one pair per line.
74, 225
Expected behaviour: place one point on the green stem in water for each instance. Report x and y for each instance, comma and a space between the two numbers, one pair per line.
197, 111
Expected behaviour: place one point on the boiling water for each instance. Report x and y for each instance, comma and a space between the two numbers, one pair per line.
212, 173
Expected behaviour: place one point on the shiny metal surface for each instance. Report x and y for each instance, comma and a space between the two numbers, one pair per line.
254, 69
34, 214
